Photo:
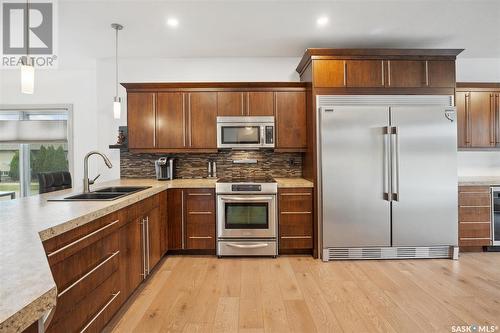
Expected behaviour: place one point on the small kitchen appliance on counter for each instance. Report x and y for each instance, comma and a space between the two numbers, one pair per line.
246, 217
164, 168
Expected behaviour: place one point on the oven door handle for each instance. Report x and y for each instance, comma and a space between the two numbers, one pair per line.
250, 246
239, 198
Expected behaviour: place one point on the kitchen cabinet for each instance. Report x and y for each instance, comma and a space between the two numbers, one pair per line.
163, 202
245, 103
406, 74
329, 73
295, 207
202, 116
191, 219
131, 265
441, 73
171, 120
477, 119
141, 119
364, 73
200, 219
290, 121
474, 217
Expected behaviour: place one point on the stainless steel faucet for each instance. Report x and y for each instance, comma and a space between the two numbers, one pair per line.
86, 181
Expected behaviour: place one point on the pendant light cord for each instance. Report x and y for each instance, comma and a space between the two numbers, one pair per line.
27, 32
116, 62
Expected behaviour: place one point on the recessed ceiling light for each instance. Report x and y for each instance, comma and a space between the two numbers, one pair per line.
172, 22
322, 21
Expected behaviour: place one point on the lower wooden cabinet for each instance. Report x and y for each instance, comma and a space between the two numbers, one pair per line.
295, 207
97, 266
191, 219
474, 217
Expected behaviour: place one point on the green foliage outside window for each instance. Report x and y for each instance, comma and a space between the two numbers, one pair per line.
44, 160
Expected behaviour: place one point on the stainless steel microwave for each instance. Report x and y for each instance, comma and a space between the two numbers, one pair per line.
245, 132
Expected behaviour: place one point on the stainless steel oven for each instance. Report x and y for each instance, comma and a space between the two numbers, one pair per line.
246, 218
245, 132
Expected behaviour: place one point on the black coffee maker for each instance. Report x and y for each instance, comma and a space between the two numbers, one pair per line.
164, 168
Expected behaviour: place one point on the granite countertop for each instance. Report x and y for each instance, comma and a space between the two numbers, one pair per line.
27, 289
479, 181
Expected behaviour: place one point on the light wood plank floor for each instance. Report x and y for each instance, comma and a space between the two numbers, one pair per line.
300, 294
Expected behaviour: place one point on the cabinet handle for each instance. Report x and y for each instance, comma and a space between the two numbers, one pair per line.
182, 219
248, 103
113, 297
111, 256
389, 73
467, 119
492, 119
242, 105
200, 213
290, 213
296, 237
427, 73
147, 245
189, 119
82, 239
199, 194
143, 236
184, 119
497, 116
345, 73
154, 114
296, 194
200, 237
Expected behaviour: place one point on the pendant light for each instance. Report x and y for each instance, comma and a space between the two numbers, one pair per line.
27, 68
117, 100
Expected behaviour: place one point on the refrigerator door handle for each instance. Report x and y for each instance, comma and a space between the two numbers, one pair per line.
395, 164
387, 162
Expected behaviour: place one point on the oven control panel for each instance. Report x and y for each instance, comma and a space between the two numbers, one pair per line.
246, 188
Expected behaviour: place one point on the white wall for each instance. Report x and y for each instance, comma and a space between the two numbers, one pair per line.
176, 70
478, 70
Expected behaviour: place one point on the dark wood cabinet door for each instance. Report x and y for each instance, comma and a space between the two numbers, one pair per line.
364, 73
290, 120
175, 213
154, 234
260, 103
164, 221
329, 73
231, 103
441, 73
200, 219
482, 119
202, 116
141, 120
295, 218
131, 260
406, 74
170, 120
461, 100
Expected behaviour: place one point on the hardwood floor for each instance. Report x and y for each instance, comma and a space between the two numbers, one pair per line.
300, 294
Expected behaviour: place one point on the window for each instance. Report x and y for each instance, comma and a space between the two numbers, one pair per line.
33, 140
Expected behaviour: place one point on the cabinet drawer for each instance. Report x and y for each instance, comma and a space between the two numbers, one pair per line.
474, 229
200, 200
474, 199
474, 241
68, 243
474, 214
80, 288
295, 231
475, 189
296, 200
93, 312
72, 268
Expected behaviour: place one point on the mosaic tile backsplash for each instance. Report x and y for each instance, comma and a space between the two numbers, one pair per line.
269, 163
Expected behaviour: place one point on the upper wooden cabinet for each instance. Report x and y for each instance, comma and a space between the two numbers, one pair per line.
249, 103
379, 68
202, 115
478, 116
291, 120
181, 117
364, 73
141, 114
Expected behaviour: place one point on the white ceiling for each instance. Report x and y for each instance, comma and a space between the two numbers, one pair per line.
276, 28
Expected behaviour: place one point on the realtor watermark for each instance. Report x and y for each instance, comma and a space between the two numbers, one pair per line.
474, 328
29, 29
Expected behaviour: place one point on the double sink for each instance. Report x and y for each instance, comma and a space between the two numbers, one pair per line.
103, 194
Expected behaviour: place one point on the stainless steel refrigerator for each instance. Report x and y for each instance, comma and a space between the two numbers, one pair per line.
387, 168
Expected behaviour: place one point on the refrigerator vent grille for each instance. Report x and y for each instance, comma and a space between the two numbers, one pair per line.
337, 253
386, 100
